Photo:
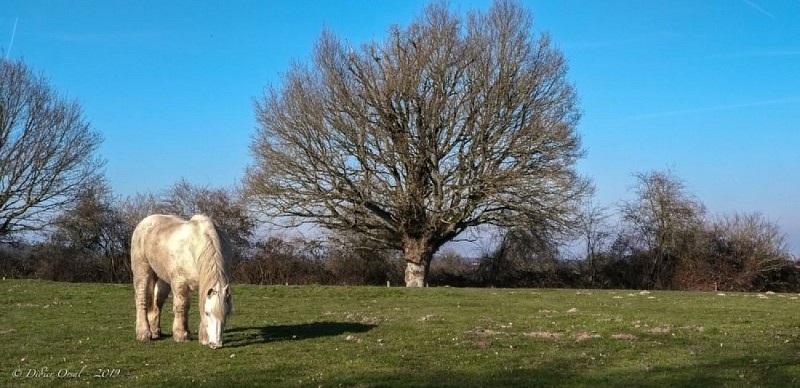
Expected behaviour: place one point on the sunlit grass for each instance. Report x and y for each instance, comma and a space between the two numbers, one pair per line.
368, 336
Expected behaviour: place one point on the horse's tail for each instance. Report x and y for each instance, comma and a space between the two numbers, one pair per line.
137, 244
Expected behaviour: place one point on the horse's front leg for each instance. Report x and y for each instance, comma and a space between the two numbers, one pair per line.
160, 293
180, 306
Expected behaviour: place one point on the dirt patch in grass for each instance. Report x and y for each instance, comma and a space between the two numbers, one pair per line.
660, 330
481, 332
544, 335
584, 336
361, 318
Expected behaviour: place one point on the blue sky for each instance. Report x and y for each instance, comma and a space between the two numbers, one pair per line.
710, 89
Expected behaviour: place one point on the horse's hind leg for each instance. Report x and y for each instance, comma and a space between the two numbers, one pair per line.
143, 295
160, 293
180, 306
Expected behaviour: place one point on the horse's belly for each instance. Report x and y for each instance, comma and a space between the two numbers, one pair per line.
177, 275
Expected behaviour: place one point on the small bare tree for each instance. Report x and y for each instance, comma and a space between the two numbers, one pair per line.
520, 254
223, 205
184, 199
594, 230
134, 209
448, 124
93, 227
46, 150
746, 249
661, 223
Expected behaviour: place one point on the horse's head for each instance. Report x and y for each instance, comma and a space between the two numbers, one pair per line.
216, 307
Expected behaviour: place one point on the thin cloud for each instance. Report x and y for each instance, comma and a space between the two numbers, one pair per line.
680, 112
759, 9
13, 34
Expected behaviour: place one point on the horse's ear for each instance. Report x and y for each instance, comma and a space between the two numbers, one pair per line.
227, 289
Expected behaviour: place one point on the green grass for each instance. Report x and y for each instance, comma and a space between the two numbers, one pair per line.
437, 337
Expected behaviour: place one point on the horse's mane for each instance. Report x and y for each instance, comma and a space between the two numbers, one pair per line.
214, 258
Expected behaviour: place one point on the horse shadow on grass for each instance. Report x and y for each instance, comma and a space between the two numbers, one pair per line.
245, 336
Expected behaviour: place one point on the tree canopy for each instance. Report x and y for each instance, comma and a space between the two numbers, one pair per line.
449, 123
47, 150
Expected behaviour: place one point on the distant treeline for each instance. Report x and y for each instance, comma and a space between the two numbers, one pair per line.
300, 262
659, 240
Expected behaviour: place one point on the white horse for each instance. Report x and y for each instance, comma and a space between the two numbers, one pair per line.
168, 252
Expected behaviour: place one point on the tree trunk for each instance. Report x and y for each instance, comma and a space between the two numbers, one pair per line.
416, 275
418, 255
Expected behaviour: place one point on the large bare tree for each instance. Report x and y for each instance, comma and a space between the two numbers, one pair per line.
47, 150
448, 123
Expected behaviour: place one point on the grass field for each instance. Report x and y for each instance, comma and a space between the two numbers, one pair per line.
78, 334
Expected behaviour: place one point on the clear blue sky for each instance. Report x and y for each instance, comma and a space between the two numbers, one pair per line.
708, 88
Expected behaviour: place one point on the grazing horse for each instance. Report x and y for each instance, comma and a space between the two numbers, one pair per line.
168, 252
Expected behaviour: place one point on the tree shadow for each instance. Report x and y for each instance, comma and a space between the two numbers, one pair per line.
246, 336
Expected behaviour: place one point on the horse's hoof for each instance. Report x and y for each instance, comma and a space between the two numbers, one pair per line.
181, 337
156, 335
143, 337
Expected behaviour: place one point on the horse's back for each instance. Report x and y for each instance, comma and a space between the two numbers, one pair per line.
152, 245
171, 246
149, 230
